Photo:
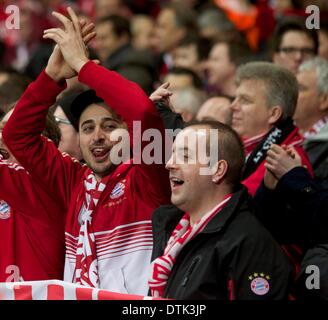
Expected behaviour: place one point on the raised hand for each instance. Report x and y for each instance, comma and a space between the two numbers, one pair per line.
70, 40
162, 93
57, 68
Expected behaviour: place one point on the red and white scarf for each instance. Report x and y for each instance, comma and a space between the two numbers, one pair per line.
251, 143
181, 235
316, 128
86, 269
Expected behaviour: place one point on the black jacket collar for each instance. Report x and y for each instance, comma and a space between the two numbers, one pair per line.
169, 216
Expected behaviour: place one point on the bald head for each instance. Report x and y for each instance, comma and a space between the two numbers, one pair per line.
217, 108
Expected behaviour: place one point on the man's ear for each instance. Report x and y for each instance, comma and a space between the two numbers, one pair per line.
220, 172
323, 102
275, 114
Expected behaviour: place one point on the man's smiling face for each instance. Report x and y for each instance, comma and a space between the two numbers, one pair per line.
97, 123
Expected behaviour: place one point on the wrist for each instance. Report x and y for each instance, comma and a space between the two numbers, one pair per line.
54, 75
78, 64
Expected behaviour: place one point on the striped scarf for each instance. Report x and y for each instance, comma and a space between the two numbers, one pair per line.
86, 270
181, 235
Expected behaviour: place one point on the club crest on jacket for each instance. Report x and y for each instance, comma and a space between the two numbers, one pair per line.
4, 210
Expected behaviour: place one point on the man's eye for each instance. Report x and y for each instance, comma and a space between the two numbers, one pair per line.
87, 129
110, 126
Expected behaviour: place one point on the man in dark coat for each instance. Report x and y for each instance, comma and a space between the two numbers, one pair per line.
209, 245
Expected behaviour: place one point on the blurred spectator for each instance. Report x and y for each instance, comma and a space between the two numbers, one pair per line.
214, 24
217, 109
187, 102
180, 78
293, 43
105, 8
113, 40
266, 99
68, 125
174, 22
142, 30
11, 89
244, 15
192, 53
25, 41
224, 58
311, 114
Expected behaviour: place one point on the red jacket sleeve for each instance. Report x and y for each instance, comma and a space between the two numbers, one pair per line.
128, 100
38, 155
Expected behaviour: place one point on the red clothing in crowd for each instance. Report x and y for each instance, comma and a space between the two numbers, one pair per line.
255, 179
31, 227
122, 218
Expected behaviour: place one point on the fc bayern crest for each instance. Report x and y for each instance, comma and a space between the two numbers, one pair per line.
260, 286
118, 190
4, 210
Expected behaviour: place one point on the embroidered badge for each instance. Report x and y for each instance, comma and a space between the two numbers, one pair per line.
118, 190
260, 283
4, 210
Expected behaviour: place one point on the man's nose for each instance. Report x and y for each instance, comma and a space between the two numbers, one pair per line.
234, 105
170, 163
98, 134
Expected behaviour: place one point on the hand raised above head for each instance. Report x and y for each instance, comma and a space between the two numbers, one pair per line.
71, 39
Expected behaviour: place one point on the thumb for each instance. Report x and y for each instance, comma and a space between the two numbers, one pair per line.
96, 61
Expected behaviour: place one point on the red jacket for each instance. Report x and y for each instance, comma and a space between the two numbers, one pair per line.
295, 140
31, 228
121, 225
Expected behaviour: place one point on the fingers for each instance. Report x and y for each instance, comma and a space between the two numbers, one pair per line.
277, 149
53, 36
65, 21
58, 31
74, 19
89, 37
87, 29
82, 22
270, 167
165, 85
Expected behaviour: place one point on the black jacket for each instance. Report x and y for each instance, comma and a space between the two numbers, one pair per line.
306, 219
318, 155
223, 260
316, 259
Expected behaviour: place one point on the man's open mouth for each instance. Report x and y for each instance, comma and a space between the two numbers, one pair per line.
176, 182
100, 153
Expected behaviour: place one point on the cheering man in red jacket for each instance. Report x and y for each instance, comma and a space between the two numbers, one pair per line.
108, 207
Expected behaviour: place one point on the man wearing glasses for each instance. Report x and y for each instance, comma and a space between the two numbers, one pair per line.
293, 44
68, 125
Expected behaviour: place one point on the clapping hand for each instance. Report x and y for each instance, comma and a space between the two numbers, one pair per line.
71, 52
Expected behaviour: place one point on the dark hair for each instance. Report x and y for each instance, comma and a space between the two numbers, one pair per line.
83, 100
196, 80
52, 130
184, 16
121, 25
230, 148
203, 45
12, 89
239, 52
324, 27
293, 24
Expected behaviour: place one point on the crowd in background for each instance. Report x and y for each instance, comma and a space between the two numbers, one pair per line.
148, 42
208, 61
